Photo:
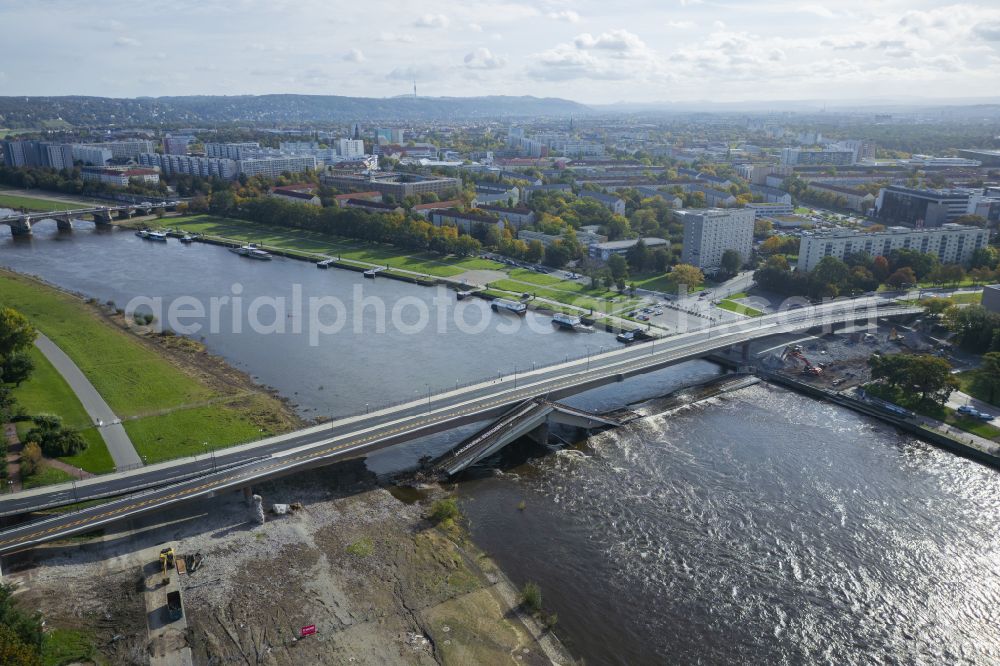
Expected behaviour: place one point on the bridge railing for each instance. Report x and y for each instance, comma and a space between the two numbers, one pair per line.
207, 460
790, 317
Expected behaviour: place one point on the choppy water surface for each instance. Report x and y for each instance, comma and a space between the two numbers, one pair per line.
760, 527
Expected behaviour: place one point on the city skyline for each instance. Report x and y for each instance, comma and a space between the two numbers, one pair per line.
679, 51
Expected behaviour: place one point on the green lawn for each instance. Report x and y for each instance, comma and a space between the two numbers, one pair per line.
160, 404
739, 308
46, 476
967, 297
46, 392
31, 203
975, 426
661, 282
315, 243
582, 299
185, 432
130, 377
67, 646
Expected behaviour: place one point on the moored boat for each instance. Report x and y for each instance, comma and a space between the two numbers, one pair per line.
516, 307
251, 251
570, 322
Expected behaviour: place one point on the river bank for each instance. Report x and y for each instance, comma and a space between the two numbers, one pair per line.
496, 280
377, 579
173, 396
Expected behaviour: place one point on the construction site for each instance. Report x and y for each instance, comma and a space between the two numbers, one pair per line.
329, 568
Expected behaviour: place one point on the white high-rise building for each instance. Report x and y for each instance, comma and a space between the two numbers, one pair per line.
350, 149
91, 154
709, 232
59, 155
177, 144
950, 243
206, 167
272, 168
233, 151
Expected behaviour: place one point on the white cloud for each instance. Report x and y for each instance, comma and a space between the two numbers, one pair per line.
475, 27
432, 21
483, 58
354, 55
615, 40
567, 15
396, 37
126, 42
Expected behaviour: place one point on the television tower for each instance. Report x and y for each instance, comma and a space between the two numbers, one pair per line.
414, 88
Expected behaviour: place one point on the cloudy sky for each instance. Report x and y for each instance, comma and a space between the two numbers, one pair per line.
593, 51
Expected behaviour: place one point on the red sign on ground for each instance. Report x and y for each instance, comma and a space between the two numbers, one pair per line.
308, 630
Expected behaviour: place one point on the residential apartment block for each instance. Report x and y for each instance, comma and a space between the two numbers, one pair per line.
709, 232
205, 167
950, 243
821, 157
275, 166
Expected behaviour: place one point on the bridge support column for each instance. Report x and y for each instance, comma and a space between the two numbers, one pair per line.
123, 215
64, 223
102, 219
21, 227
540, 435
745, 351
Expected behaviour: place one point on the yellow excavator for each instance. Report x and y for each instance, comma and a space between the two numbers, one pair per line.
167, 563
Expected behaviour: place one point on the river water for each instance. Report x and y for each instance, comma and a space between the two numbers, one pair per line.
758, 527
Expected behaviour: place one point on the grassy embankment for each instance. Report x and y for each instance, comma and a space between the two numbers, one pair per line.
31, 203
168, 410
739, 308
316, 245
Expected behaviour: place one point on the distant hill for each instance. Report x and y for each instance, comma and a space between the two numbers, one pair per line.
17, 112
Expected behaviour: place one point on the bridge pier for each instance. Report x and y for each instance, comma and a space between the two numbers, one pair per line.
102, 218
21, 227
122, 215
745, 351
64, 223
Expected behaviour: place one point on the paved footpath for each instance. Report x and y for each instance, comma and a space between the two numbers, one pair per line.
110, 426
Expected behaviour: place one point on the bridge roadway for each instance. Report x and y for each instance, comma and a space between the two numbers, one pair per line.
186, 479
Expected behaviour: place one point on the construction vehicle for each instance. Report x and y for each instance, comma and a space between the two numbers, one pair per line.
796, 353
166, 563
